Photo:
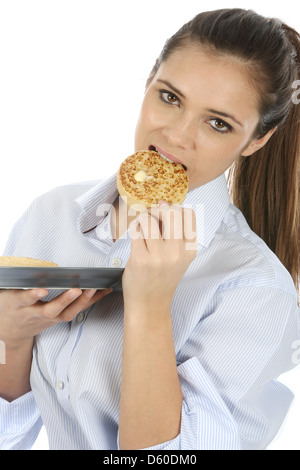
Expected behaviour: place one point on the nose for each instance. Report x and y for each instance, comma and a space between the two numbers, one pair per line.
180, 132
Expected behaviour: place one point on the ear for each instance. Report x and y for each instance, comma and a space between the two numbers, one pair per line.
257, 144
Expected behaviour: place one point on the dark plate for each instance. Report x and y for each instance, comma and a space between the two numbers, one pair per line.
59, 278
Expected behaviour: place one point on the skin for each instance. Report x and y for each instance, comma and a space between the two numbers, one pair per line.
22, 316
151, 397
184, 127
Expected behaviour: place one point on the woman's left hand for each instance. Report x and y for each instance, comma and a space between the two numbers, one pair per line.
163, 244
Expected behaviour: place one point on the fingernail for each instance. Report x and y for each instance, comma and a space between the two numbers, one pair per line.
163, 203
74, 293
89, 293
41, 294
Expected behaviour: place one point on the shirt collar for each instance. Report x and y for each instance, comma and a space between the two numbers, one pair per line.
209, 202
95, 203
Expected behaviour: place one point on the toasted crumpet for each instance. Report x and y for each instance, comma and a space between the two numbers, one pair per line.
145, 178
17, 261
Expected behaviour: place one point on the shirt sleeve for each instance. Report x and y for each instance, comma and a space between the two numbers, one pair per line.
206, 422
228, 367
20, 423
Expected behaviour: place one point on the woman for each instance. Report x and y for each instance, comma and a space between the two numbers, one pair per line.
187, 356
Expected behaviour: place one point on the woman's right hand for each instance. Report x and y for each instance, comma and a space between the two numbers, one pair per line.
23, 315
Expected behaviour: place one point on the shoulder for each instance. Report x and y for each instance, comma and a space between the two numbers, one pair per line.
68, 191
46, 220
246, 258
61, 198
54, 206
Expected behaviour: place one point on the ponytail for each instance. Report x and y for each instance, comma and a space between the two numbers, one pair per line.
266, 185
266, 188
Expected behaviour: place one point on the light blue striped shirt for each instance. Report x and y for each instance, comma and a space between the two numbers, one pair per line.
235, 323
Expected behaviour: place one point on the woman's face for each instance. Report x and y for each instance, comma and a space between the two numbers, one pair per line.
200, 110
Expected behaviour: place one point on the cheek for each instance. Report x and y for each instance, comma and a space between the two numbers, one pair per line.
150, 115
142, 119
215, 154
225, 148
149, 120
215, 148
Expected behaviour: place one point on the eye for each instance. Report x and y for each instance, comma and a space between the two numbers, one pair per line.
219, 125
168, 97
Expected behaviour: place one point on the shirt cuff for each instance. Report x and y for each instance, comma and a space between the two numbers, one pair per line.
206, 422
173, 444
20, 423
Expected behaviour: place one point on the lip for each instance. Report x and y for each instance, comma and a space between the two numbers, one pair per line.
169, 155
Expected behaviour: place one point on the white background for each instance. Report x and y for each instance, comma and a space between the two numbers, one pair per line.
72, 77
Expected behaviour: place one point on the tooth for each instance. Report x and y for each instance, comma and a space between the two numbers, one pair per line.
168, 160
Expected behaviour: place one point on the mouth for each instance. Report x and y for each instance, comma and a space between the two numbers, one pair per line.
175, 160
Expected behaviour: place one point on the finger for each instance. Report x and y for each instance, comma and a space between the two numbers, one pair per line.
138, 246
173, 224
88, 298
135, 229
93, 295
160, 210
150, 227
26, 298
171, 221
190, 225
162, 203
160, 213
144, 227
180, 224
53, 308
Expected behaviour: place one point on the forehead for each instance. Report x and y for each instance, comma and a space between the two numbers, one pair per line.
204, 76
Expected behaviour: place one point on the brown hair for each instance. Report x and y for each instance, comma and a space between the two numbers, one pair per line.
265, 186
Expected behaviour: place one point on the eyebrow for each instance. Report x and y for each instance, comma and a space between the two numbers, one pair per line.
221, 113
166, 82
213, 111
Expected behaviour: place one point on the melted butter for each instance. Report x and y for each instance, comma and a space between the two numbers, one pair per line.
140, 176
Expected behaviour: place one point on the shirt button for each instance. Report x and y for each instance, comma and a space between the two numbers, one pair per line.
80, 317
116, 262
60, 385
